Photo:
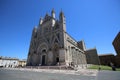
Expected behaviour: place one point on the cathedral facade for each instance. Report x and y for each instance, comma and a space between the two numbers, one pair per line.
52, 45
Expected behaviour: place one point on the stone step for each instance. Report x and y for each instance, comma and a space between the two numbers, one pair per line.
50, 67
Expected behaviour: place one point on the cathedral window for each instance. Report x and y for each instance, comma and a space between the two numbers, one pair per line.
35, 36
58, 36
57, 27
48, 40
34, 52
46, 29
43, 50
56, 40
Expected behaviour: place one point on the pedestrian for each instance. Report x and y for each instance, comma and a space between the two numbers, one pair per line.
99, 68
113, 68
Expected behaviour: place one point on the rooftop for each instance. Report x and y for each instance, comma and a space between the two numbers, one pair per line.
107, 54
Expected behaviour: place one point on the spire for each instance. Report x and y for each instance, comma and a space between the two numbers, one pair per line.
41, 21
61, 16
61, 13
35, 29
53, 13
47, 14
53, 10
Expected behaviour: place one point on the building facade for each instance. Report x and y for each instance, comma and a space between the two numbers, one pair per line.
116, 44
8, 62
107, 59
22, 63
92, 56
52, 45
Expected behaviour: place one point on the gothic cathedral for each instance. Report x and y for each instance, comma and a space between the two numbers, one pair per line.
51, 45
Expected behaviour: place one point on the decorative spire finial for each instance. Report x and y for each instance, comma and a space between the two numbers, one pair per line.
53, 13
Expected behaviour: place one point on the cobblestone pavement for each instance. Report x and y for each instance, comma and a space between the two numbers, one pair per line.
108, 75
86, 72
51, 74
41, 74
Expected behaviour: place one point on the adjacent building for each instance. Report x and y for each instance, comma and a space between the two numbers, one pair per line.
116, 44
52, 45
92, 56
9, 62
22, 63
107, 59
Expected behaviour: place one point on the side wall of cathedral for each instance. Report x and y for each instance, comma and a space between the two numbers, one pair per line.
74, 55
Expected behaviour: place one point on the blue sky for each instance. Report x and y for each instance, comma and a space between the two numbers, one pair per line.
97, 22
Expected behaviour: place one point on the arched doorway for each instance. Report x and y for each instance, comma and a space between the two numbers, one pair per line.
43, 60
57, 59
43, 57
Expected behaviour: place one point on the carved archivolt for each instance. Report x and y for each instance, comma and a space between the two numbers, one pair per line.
42, 47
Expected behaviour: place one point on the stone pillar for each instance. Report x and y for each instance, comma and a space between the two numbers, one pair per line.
77, 57
70, 54
50, 58
67, 56
81, 59
73, 55
35, 61
40, 59
62, 55
85, 62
